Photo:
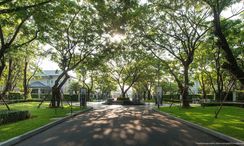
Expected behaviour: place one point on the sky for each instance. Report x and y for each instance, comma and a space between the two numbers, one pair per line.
47, 64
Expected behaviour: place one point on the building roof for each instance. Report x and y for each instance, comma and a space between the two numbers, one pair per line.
50, 73
38, 84
53, 73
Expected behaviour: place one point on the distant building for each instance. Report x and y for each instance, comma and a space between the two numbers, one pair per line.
44, 81
194, 89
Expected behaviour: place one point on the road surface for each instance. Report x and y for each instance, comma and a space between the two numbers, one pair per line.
117, 125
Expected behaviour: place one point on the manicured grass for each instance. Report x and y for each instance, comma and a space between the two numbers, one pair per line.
39, 118
229, 122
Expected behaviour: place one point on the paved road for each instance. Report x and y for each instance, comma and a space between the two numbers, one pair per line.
120, 126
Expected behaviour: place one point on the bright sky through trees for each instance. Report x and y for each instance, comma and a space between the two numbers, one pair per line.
47, 64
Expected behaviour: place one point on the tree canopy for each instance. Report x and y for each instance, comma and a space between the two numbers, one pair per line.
128, 43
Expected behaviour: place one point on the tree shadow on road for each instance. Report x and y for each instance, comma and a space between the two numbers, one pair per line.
124, 126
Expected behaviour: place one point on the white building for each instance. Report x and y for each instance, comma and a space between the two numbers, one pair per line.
194, 89
44, 81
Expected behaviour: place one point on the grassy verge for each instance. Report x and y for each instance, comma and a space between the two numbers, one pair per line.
229, 122
39, 118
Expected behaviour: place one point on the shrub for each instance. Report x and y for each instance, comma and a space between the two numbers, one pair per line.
190, 97
34, 95
240, 96
15, 96
225, 104
68, 97
109, 101
194, 96
229, 96
123, 99
209, 96
168, 97
13, 116
150, 100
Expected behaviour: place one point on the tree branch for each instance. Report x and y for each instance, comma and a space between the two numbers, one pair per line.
1, 36
29, 41
5, 1
4, 11
17, 30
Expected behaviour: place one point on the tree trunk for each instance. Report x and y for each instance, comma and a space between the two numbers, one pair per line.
204, 95
56, 96
2, 98
88, 94
56, 90
219, 94
148, 94
144, 95
232, 65
123, 94
25, 85
185, 93
2, 67
8, 84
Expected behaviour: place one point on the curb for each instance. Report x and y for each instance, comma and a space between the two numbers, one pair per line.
219, 135
31, 133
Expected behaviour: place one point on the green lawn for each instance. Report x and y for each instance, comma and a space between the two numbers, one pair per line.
229, 122
39, 118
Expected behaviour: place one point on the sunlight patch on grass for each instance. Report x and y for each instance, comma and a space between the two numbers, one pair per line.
229, 121
39, 117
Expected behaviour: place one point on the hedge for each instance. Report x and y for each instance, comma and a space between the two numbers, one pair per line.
35, 96
15, 96
229, 96
240, 96
224, 104
13, 116
123, 99
190, 97
122, 102
68, 97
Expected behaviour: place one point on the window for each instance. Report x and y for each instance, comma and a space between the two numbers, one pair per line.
34, 91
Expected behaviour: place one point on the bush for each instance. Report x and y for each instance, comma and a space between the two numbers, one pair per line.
109, 101
68, 97
168, 97
13, 116
240, 96
197, 96
49, 97
209, 96
15, 96
224, 104
190, 97
123, 99
229, 96
34, 95
150, 100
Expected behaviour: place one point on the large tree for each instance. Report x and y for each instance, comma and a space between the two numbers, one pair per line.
231, 63
74, 34
18, 23
178, 30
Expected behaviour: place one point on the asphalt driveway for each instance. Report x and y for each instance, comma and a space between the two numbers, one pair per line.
120, 126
